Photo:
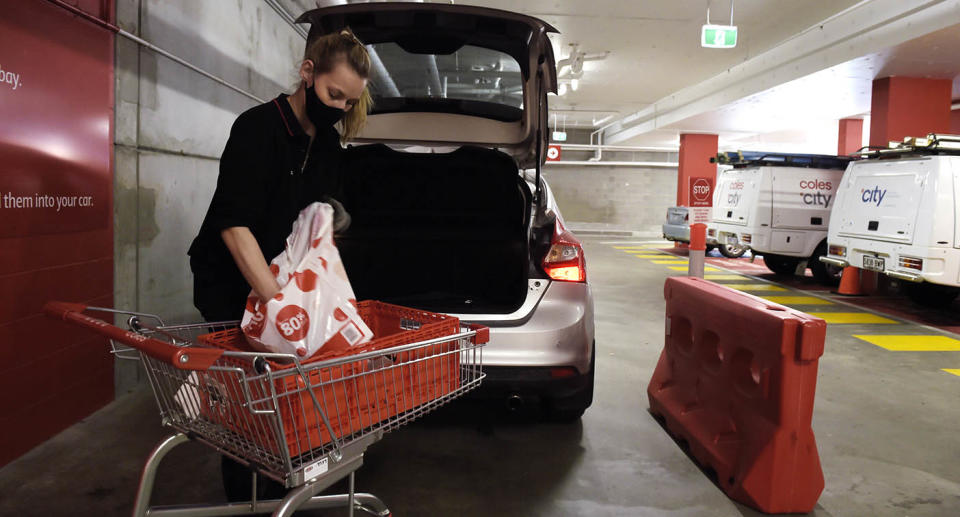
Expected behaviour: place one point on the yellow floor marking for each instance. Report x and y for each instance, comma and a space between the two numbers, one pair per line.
797, 300
684, 268
629, 247
722, 276
953, 371
914, 343
755, 287
671, 261
851, 317
647, 256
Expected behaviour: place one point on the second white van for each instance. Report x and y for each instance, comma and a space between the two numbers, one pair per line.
779, 205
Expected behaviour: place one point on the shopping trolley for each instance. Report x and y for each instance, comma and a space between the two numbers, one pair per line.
302, 423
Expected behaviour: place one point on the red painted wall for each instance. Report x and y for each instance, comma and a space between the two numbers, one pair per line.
850, 137
695, 153
908, 106
56, 235
955, 122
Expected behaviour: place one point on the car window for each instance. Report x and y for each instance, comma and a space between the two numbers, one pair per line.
488, 82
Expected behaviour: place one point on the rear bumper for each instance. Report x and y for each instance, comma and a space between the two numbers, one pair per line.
558, 332
940, 265
676, 232
502, 381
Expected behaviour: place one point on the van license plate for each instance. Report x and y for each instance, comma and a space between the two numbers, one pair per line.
873, 263
732, 240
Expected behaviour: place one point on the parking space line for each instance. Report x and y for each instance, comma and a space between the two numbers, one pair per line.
797, 300
852, 318
638, 248
954, 371
724, 276
674, 261
906, 343
755, 287
684, 268
648, 256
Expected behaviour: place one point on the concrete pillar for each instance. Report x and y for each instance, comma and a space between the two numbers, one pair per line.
850, 136
908, 106
695, 153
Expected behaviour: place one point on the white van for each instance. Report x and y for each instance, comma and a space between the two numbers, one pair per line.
897, 213
779, 205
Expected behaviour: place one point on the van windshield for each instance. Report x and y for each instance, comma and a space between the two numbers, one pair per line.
472, 80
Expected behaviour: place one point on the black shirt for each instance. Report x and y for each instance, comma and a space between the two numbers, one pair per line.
266, 179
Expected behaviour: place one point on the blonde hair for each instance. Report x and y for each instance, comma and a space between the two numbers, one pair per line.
326, 52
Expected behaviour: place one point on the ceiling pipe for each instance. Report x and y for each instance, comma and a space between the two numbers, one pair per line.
589, 163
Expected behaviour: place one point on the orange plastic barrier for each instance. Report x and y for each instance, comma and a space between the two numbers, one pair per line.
736, 381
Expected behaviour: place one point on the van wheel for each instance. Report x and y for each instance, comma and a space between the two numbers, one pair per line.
932, 295
732, 251
785, 266
826, 274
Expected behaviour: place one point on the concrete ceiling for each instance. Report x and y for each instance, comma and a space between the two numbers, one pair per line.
654, 58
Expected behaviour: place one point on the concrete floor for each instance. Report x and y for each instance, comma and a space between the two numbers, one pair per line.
886, 424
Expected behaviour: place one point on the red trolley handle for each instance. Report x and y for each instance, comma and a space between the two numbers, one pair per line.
184, 358
482, 333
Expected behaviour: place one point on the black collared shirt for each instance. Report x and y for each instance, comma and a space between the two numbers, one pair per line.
266, 179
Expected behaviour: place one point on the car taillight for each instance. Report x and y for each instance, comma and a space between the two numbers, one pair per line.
565, 261
746, 237
712, 232
912, 263
837, 251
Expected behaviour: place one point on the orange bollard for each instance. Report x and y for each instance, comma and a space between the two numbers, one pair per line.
850, 282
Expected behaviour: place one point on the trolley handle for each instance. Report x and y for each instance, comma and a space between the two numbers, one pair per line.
184, 358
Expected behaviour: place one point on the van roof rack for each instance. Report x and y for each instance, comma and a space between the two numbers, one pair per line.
933, 143
741, 159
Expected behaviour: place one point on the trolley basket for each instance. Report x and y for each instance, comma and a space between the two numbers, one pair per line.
304, 423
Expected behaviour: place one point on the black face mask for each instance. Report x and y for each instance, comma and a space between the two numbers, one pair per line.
319, 113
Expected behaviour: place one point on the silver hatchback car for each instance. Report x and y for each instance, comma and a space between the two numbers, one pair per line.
449, 210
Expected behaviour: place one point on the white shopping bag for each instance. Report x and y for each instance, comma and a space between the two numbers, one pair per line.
316, 308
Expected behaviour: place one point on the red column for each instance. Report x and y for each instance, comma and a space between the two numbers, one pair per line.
850, 138
695, 153
908, 106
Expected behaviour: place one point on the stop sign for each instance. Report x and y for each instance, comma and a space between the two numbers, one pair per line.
701, 192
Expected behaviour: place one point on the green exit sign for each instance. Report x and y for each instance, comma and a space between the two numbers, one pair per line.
718, 36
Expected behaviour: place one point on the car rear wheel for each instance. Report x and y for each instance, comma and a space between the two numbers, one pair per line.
571, 408
785, 266
732, 250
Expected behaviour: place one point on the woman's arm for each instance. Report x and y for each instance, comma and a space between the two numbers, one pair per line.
246, 253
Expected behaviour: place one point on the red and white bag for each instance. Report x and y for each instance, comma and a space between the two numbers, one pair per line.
316, 308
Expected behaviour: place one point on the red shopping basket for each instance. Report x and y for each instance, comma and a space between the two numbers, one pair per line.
355, 395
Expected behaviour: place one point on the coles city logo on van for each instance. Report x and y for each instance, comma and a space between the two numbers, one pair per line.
816, 198
874, 195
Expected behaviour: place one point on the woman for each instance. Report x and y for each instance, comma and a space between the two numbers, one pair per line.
280, 157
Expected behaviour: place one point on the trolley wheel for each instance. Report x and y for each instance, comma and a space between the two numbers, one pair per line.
784, 266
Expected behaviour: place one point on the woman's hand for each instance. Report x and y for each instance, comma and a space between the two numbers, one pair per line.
246, 253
